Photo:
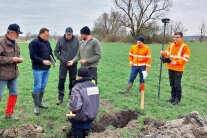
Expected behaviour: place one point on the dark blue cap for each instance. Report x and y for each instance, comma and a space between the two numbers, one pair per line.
141, 38
14, 28
83, 72
69, 31
85, 30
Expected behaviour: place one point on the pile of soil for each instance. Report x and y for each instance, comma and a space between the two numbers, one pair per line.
191, 126
27, 130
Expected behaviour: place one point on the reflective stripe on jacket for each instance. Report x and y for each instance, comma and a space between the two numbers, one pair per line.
178, 52
140, 56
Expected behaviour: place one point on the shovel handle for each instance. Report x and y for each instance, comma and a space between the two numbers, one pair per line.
70, 114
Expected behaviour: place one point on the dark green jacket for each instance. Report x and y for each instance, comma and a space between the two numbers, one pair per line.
91, 52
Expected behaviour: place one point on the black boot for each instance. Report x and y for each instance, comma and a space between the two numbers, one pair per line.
41, 104
36, 97
127, 89
177, 100
171, 100
59, 101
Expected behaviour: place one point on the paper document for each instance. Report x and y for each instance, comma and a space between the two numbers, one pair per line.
144, 74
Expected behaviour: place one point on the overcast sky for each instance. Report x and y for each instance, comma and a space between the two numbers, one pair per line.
56, 15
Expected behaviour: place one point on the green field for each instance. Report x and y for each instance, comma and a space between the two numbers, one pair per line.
113, 75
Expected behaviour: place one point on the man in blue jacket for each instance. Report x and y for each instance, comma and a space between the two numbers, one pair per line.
41, 56
65, 50
84, 103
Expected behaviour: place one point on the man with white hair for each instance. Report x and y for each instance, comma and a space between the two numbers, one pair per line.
9, 57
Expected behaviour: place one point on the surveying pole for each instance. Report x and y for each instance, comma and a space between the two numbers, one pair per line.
165, 21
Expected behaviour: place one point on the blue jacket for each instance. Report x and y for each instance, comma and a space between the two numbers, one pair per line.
40, 50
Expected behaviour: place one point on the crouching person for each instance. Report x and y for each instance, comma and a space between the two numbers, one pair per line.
84, 103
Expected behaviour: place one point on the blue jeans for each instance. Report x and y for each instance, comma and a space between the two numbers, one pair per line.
40, 80
135, 71
11, 85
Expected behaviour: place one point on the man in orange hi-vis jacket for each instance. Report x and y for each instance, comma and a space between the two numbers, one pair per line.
178, 54
139, 60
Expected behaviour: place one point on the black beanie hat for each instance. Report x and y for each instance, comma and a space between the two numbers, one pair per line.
83, 72
85, 30
141, 38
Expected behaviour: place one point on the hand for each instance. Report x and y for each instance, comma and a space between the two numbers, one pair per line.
20, 59
147, 70
162, 52
55, 65
46, 62
173, 63
70, 63
15, 59
83, 61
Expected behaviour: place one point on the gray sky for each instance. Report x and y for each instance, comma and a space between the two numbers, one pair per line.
56, 15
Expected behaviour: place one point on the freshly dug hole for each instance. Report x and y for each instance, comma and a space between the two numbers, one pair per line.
117, 119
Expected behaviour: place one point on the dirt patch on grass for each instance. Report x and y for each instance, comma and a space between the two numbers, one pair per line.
107, 106
27, 130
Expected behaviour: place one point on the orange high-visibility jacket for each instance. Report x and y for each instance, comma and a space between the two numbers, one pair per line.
140, 56
178, 52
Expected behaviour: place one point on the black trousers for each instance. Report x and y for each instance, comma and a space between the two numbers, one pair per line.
79, 133
93, 73
63, 70
175, 83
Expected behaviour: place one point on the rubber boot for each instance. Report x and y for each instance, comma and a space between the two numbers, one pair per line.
41, 104
36, 99
127, 89
9, 110
177, 100
59, 101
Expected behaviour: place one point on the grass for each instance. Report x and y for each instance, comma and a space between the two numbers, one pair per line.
114, 72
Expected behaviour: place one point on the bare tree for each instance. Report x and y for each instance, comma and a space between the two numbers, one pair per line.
136, 13
108, 24
203, 32
176, 26
28, 36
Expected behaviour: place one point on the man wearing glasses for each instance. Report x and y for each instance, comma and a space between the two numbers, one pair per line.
65, 50
178, 55
41, 57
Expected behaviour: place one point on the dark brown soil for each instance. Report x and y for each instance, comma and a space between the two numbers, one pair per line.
116, 119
